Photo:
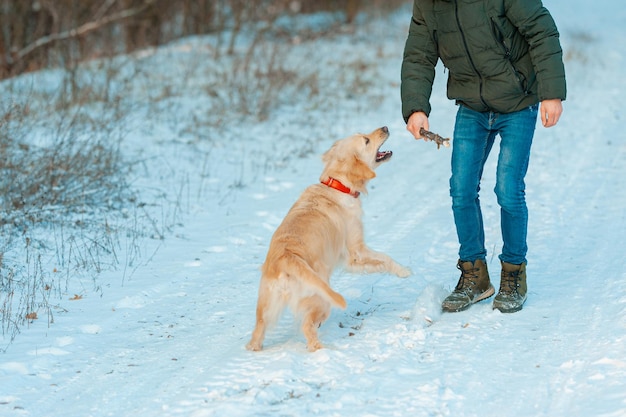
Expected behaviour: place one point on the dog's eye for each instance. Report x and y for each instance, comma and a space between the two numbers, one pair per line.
367, 140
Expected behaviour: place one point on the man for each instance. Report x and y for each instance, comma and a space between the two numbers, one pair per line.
504, 63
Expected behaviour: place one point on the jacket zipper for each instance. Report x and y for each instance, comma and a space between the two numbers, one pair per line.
469, 56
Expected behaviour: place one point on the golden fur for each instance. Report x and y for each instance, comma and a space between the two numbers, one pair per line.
321, 231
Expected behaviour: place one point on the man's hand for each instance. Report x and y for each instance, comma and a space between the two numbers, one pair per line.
550, 111
417, 121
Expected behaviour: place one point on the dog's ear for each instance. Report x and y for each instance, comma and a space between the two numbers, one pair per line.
360, 173
328, 155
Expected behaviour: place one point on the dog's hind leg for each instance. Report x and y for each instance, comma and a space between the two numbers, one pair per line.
269, 307
315, 311
256, 341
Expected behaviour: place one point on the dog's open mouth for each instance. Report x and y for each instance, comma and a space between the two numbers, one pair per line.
383, 155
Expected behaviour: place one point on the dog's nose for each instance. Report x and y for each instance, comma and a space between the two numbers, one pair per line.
385, 129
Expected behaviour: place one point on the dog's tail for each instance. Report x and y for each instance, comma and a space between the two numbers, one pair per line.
300, 268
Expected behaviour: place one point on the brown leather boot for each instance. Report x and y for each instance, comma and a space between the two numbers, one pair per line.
513, 288
473, 286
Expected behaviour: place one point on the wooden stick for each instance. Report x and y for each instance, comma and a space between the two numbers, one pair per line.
435, 138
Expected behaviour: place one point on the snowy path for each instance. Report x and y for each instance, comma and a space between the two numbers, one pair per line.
170, 342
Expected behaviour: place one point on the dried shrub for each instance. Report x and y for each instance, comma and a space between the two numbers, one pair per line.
64, 203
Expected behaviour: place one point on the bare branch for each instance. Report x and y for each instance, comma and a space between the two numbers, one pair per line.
435, 137
103, 9
85, 28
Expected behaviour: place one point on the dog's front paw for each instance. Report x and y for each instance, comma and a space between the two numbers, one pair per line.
254, 346
403, 272
314, 346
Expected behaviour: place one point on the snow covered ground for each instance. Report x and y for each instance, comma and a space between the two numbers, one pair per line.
168, 339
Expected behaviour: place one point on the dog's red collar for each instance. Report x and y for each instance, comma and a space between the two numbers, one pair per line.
337, 185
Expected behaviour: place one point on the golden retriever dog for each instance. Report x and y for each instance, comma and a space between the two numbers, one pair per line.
321, 231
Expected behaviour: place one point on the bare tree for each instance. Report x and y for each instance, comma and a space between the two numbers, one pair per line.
84, 28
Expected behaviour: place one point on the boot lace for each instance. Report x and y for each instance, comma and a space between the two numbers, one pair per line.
509, 281
468, 278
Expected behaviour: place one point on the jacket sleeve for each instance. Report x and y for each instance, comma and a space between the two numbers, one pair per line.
418, 66
537, 26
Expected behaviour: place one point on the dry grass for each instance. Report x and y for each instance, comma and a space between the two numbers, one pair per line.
63, 206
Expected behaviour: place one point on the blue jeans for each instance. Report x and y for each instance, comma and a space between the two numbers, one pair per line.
474, 135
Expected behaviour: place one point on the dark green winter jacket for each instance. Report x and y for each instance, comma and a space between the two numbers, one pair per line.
500, 55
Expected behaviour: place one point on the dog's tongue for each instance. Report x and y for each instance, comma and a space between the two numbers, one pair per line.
381, 156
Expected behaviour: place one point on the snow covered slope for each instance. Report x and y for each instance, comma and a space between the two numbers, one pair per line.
170, 340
